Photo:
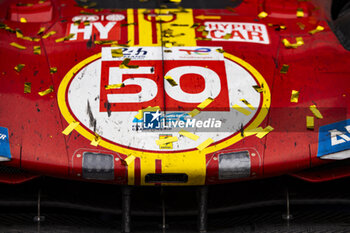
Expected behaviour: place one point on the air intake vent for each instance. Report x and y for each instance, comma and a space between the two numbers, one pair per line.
234, 165
98, 166
167, 178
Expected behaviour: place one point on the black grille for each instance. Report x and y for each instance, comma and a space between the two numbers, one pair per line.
167, 178
98, 166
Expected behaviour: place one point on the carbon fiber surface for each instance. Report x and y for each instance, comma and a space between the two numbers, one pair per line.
256, 206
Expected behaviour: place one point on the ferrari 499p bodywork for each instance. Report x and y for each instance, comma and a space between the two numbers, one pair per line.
169, 94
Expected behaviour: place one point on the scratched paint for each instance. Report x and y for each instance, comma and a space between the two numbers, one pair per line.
116, 124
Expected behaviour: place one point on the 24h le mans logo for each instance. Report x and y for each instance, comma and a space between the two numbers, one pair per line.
202, 74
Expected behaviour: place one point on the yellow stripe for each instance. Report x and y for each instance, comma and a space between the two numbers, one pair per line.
130, 18
145, 29
193, 163
182, 18
131, 173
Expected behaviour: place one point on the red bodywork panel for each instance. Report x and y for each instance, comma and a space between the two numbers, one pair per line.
318, 70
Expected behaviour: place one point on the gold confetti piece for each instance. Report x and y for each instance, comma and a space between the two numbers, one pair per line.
128, 160
295, 96
220, 50
37, 50
166, 140
300, 13
119, 45
170, 80
23, 20
27, 88
205, 103
168, 45
25, 4
287, 44
96, 140
205, 33
114, 86
195, 25
265, 131
177, 1
86, 13
77, 22
200, 28
28, 38
301, 25
282, 27
53, 70
319, 28
258, 88
251, 132
202, 38
70, 127
128, 24
7, 28
18, 46
316, 112
310, 122
241, 109
19, 67
168, 51
105, 42
49, 34
194, 112
262, 15
300, 41
125, 64
47, 91
64, 38
188, 135
179, 25
284, 69
117, 53
19, 34
227, 36
205, 144
248, 104
148, 109
86, 23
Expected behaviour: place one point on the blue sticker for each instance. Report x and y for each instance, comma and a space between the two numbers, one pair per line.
4, 144
334, 138
151, 120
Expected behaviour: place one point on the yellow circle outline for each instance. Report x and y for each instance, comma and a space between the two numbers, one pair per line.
61, 98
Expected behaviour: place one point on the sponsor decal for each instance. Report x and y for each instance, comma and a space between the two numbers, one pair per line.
200, 72
5, 153
238, 32
98, 27
334, 138
174, 121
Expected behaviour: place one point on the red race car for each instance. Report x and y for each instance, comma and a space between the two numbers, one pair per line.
174, 93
